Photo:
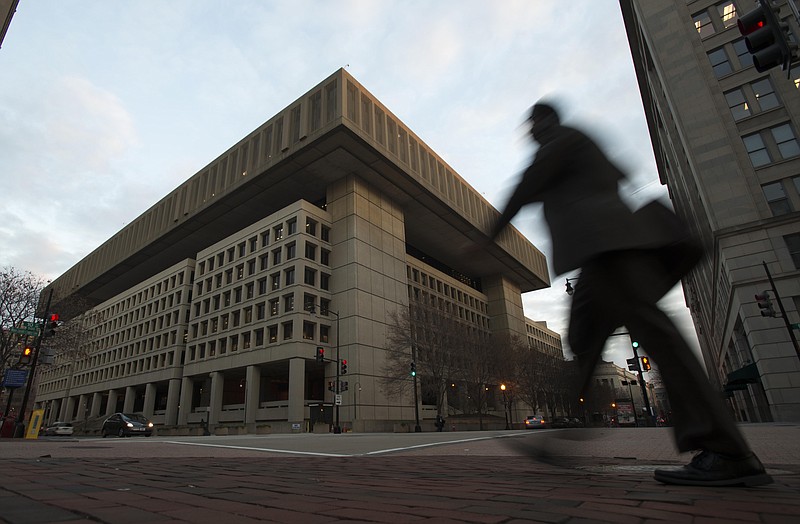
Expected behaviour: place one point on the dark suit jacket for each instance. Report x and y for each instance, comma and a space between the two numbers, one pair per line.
578, 186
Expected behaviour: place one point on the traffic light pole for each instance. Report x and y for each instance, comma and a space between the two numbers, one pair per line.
783, 311
19, 430
417, 427
644, 388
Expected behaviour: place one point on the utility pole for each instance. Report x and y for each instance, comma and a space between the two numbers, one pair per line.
19, 430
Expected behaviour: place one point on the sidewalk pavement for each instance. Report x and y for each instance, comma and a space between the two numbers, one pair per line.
454, 484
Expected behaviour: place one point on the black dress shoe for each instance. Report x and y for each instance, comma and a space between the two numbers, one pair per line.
712, 469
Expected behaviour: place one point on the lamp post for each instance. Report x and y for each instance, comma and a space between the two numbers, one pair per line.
505, 403
417, 427
570, 290
337, 385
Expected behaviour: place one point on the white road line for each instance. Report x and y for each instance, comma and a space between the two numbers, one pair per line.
430, 444
249, 448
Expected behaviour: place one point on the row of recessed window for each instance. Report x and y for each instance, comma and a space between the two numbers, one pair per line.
262, 240
251, 268
258, 337
257, 312
260, 287
146, 294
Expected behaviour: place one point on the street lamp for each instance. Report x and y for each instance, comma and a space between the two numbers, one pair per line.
505, 403
570, 290
337, 386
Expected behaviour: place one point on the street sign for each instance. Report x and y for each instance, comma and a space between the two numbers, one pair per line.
30, 329
338, 400
32, 326
15, 378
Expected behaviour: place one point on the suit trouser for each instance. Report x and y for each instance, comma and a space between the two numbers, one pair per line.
622, 289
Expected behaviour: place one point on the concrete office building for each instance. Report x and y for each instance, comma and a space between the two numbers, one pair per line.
201, 308
725, 143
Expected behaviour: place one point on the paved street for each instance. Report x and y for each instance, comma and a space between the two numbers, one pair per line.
591, 476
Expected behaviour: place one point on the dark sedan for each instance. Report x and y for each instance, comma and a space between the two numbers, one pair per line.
126, 425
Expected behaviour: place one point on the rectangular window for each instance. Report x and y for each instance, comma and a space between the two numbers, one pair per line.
265, 239
324, 257
273, 333
261, 311
727, 12
310, 276
720, 63
311, 251
259, 337
308, 330
291, 226
737, 104
324, 333
275, 280
291, 251
262, 285
288, 303
311, 227
786, 141
288, 330
765, 94
263, 262
273, 307
325, 233
703, 25
324, 281
756, 150
742, 53
793, 243
288, 276
776, 198
278, 232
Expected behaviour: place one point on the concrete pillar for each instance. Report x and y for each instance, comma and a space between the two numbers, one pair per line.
55, 406
81, 414
297, 388
150, 391
111, 407
252, 397
187, 385
130, 399
173, 402
215, 404
97, 400
67, 409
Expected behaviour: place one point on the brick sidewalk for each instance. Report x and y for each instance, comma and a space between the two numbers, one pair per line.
483, 489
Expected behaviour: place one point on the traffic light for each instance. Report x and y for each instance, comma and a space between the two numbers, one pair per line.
633, 364
26, 356
344, 385
765, 37
331, 385
52, 324
413, 369
765, 304
635, 344
344, 367
320, 355
646, 364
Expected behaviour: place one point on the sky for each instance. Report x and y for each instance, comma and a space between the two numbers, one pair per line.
105, 107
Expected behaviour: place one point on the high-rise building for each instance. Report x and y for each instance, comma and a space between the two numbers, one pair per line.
725, 139
308, 233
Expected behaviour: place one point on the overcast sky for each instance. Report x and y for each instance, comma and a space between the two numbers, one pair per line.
105, 107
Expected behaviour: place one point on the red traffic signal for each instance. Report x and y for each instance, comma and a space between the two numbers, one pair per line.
765, 37
344, 367
52, 324
320, 354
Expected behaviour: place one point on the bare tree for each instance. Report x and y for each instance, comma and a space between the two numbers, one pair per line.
19, 296
429, 335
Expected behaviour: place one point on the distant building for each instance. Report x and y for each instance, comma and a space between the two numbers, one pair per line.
307, 233
725, 139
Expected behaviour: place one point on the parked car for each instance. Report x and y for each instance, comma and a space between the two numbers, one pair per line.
126, 425
534, 422
60, 429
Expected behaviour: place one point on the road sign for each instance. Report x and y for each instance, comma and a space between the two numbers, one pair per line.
15, 378
338, 400
23, 331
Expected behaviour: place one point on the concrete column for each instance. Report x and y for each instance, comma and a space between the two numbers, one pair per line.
130, 399
252, 397
187, 385
173, 401
149, 399
67, 408
111, 407
97, 399
215, 404
55, 406
81, 414
297, 388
